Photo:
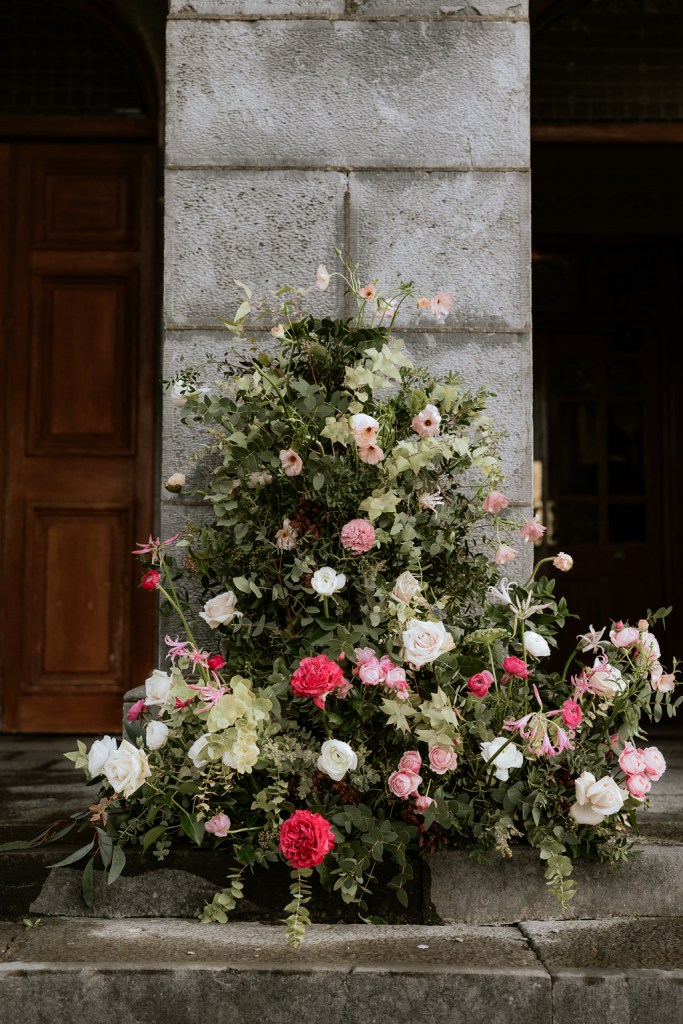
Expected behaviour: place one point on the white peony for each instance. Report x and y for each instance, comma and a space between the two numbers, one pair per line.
157, 688
595, 799
535, 644
156, 735
220, 610
510, 757
605, 679
327, 582
198, 750
127, 769
406, 588
336, 759
425, 641
99, 754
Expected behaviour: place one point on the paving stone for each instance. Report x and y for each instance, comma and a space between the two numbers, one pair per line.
327, 94
425, 8
646, 943
233, 8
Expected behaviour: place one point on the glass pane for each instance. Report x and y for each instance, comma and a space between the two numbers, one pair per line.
577, 378
627, 523
578, 522
578, 455
625, 459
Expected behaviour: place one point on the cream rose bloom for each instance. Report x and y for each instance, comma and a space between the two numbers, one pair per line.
595, 799
127, 769
220, 610
605, 679
156, 735
425, 641
243, 754
510, 757
157, 688
406, 588
99, 754
198, 751
535, 644
336, 759
327, 581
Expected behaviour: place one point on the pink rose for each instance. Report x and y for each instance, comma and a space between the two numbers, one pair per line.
364, 655
427, 422
513, 666
219, 825
410, 762
404, 783
631, 760
135, 710
624, 636
638, 786
649, 648
358, 536
532, 530
572, 714
291, 463
422, 803
505, 554
305, 839
655, 765
371, 454
371, 673
480, 683
496, 502
442, 759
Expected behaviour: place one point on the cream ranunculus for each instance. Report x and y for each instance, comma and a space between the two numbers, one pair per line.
535, 644
220, 610
407, 588
595, 799
336, 759
198, 751
127, 769
605, 679
327, 582
425, 641
509, 757
99, 754
157, 688
243, 754
156, 735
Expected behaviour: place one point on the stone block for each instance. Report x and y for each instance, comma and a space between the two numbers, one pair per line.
348, 94
464, 233
651, 943
266, 229
584, 995
234, 8
436, 8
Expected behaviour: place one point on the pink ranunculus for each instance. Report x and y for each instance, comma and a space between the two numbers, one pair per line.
358, 536
480, 684
505, 554
496, 502
371, 673
422, 802
427, 422
572, 714
315, 678
442, 759
404, 783
655, 765
638, 786
364, 655
305, 839
441, 304
216, 662
371, 454
291, 462
513, 666
631, 760
410, 762
219, 825
532, 530
135, 710
624, 636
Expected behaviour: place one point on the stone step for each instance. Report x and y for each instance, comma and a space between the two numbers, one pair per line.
140, 972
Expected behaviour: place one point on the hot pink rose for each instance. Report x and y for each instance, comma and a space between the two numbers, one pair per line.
306, 839
316, 677
655, 765
442, 759
532, 530
215, 662
135, 710
638, 786
572, 714
631, 760
358, 536
371, 673
404, 783
219, 825
496, 502
505, 554
427, 422
422, 803
410, 762
513, 666
480, 683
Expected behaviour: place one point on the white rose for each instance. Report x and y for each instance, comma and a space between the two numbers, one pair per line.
536, 644
510, 757
425, 641
595, 799
127, 769
156, 735
322, 277
605, 679
157, 688
198, 750
175, 482
220, 610
406, 588
336, 759
179, 394
99, 754
243, 754
327, 582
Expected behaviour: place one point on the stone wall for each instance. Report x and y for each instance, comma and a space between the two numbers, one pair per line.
395, 130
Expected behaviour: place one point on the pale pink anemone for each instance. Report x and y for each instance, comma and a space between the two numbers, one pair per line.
358, 536
371, 454
427, 422
291, 462
368, 292
505, 554
532, 530
495, 502
441, 304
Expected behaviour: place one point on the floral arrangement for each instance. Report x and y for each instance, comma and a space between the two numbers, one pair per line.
363, 684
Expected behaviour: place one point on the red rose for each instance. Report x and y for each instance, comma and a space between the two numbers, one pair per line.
306, 839
150, 581
216, 662
316, 677
514, 667
480, 683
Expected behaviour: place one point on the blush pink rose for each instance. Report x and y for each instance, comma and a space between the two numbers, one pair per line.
410, 762
371, 673
442, 759
496, 502
655, 765
219, 825
371, 454
404, 783
136, 710
624, 636
358, 536
532, 530
638, 786
631, 760
572, 714
427, 422
422, 802
505, 554
364, 655
661, 680
480, 683
291, 462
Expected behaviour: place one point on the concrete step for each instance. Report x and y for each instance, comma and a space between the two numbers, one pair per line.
143, 972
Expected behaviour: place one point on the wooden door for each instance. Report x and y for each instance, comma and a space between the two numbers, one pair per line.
79, 369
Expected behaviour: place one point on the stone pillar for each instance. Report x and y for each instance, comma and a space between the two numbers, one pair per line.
395, 130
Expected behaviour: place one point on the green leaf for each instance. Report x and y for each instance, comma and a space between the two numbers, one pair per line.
118, 862
73, 857
152, 836
318, 481
88, 879
192, 828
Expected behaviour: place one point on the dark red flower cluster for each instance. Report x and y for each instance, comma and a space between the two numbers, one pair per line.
316, 677
306, 839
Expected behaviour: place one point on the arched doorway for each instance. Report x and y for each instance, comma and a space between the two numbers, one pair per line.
607, 162
78, 140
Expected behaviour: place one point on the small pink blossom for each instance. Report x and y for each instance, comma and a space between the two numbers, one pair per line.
410, 762
563, 561
154, 547
495, 502
210, 694
371, 673
665, 682
441, 304
505, 554
358, 536
631, 761
532, 530
423, 303
624, 636
655, 765
291, 462
404, 783
368, 292
371, 454
395, 679
364, 655
135, 710
572, 714
286, 537
638, 786
480, 683
219, 825
643, 625
427, 422
442, 760
364, 429
422, 802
